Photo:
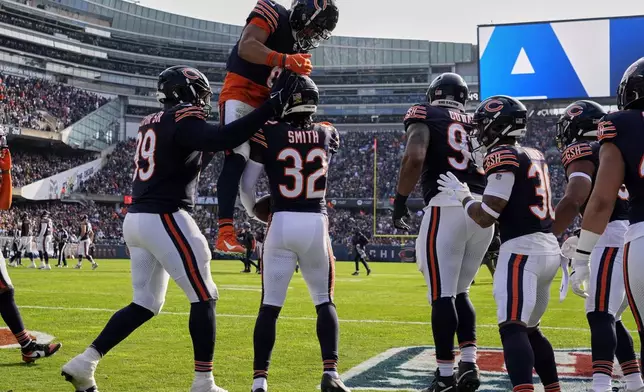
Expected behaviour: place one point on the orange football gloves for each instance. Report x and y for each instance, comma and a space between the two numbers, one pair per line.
299, 63
5, 160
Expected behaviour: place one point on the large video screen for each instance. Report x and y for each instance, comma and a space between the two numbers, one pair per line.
558, 60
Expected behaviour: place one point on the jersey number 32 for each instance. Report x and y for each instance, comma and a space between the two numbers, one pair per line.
301, 182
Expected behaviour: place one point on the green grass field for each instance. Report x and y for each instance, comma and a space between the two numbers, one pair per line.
385, 310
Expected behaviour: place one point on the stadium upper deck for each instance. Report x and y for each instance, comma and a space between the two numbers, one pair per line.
120, 47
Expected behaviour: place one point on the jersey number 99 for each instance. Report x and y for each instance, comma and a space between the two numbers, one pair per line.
144, 155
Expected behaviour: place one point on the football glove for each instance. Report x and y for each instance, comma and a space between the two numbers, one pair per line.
401, 212
282, 90
299, 63
5, 159
580, 275
569, 246
449, 184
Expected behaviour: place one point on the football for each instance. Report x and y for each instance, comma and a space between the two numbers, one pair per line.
262, 208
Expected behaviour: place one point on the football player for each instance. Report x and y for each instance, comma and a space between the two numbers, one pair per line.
31, 350
620, 162
162, 237
605, 295
26, 239
517, 195
295, 152
62, 236
450, 245
86, 234
248, 240
44, 240
273, 39
359, 242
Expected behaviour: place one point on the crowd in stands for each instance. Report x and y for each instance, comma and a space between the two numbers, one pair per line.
106, 221
24, 102
30, 164
115, 178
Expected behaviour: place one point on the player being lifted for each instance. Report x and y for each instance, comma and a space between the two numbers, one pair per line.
450, 245
43, 242
295, 152
273, 39
605, 296
517, 195
163, 239
621, 161
85, 236
31, 350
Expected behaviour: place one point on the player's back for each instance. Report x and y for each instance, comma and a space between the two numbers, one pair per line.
46, 227
296, 162
165, 174
249, 82
626, 130
589, 151
449, 136
529, 209
25, 228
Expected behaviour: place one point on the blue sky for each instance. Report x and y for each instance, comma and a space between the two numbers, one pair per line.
434, 20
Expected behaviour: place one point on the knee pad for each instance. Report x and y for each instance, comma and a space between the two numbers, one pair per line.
243, 150
320, 306
150, 302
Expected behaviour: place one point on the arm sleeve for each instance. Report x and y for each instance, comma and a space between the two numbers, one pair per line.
415, 114
500, 185
194, 133
576, 152
500, 161
265, 12
251, 174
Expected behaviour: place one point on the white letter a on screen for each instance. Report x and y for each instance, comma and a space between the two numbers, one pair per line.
522, 66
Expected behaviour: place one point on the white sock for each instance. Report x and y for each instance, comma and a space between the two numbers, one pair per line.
204, 375
92, 354
446, 368
468, 354
332, 373
601, 382
633, 381
260, 382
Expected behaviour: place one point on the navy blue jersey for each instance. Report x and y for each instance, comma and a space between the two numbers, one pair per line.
449, 135
586, 151
529, 209
625, 129
275, 19
296, 162
25, 228
359, 239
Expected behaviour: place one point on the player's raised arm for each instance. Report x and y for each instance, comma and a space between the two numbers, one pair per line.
193, 132
6, 189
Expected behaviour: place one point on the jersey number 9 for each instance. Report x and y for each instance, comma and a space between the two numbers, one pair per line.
144, 155
457, 139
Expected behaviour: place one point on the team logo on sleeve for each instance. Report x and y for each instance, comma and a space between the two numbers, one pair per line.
411, 369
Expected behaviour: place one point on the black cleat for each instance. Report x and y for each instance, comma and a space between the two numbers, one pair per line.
258, 390
35, 351
468, 377
442, 384
330, 384
368, 272
355, 273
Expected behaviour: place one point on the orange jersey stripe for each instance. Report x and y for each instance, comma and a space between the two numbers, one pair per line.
238, 88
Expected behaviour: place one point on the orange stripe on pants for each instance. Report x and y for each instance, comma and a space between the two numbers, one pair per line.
603, 286
194, 277
431, 248
515, 288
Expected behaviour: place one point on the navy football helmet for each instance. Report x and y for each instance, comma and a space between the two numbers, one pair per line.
303, 103
630, 92
183, 84
448, 89
580, 120
313, 21
499, 117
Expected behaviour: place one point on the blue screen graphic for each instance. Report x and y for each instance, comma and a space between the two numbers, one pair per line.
529, 60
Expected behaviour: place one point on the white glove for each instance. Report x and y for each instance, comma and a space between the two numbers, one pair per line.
569, 246
452, 186
580, 276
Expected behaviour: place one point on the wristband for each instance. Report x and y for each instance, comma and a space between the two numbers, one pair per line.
587, 241
469, 203
400, 199
490, 211
280, 61
5, 171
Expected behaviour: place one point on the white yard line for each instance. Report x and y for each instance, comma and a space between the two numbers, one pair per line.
392, 322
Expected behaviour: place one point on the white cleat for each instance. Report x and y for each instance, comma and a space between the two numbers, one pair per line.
32, 266
80, 372
47, 267
94, 266
206, 385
